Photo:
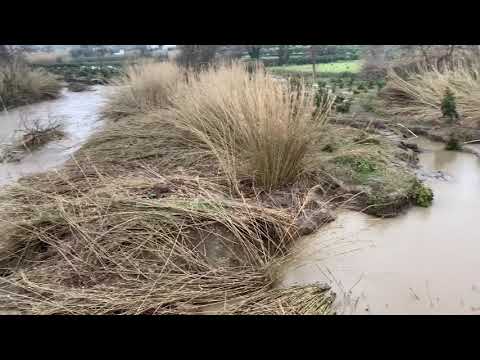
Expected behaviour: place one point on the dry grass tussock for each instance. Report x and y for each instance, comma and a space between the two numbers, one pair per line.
145, 245
420, 94
253, 124
142, 88
110, 235
48, 58
21, 85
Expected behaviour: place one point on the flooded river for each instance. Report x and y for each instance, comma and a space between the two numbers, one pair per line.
426, 261
77, 111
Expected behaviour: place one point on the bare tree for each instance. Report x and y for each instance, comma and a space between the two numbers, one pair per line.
5, 53
283, 54
313, 57
255, 51
197, 56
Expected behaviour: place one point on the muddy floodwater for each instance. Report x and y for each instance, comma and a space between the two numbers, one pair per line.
426, 261
77, 111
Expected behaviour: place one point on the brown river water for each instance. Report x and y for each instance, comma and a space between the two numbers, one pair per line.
77, 111
426, 261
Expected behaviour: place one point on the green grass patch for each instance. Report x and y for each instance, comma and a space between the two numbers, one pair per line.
373, 167
352, 66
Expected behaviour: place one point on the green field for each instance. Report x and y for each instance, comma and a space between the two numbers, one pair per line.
330, 68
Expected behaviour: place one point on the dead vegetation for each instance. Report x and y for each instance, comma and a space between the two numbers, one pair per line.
142, 88
144, 245
420, 93
151, 218
21, 85
251, 123
34, 134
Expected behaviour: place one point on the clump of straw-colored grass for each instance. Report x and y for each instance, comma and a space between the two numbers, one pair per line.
124, 247
143, 87
254, 125
21, 85
420, 93
42, 58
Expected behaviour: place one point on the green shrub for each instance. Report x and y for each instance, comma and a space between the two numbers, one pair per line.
449, 106
344, 107
453, 144
422, 195
339, 99
380, 84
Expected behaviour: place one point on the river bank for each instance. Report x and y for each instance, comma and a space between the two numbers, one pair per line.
421, 262
139, 210
77, 112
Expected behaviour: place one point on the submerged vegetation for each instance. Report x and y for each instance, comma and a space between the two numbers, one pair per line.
33, 135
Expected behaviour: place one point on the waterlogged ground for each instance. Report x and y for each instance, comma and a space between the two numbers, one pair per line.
78, 112
426, 261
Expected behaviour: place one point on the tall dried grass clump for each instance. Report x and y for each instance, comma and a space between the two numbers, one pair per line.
253, 124
143, 87
21, 85
420, 93
47, 58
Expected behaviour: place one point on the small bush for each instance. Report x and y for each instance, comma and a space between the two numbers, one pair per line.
453, 144
343, 107
322, 84
449, 106
422, 195
380, 84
